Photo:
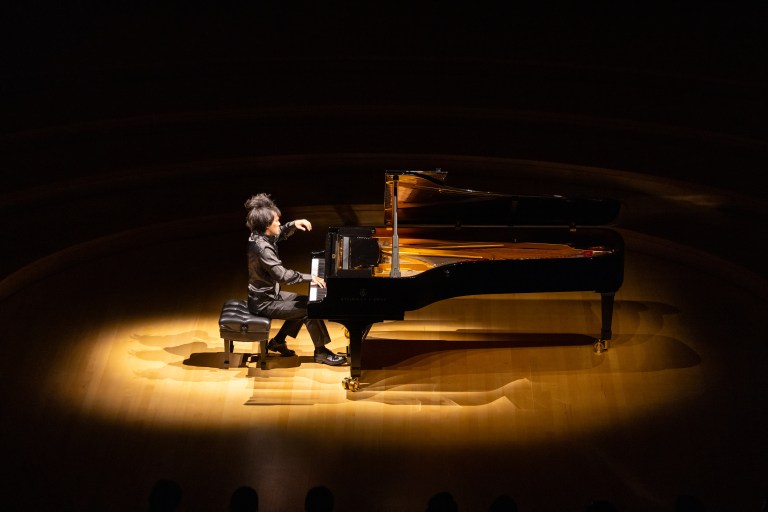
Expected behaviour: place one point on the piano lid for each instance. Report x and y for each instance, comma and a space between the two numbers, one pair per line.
423, 199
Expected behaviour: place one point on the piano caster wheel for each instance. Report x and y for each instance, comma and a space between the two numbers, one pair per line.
600, 346
350, 384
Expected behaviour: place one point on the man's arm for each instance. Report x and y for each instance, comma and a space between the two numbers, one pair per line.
303, 224
289, 228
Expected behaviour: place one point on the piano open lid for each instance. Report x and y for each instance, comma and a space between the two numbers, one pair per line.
423, 199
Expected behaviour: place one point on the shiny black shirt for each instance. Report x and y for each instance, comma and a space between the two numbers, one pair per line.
265, 269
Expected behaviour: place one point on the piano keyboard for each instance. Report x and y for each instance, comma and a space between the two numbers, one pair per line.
316, 293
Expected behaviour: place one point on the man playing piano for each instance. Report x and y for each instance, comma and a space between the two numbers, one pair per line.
266, 273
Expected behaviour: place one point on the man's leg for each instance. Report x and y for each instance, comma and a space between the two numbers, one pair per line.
293, 309
321, 338
284, 309
318, 332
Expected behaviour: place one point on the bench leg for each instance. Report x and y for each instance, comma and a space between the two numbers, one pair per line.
263, 354
229, 346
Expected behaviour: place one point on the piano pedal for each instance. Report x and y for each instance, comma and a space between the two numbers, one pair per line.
350, 384
600, 346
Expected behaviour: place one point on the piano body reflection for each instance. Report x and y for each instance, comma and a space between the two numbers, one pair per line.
439, 242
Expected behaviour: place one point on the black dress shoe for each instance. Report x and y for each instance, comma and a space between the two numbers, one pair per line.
325, 356
281, 348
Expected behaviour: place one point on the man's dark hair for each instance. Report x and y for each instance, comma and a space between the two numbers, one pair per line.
261, 212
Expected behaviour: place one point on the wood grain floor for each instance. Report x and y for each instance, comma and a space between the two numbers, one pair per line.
114, 377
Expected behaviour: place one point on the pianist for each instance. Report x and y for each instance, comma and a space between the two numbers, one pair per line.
266, 273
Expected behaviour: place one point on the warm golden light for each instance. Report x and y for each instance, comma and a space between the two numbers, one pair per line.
505, 364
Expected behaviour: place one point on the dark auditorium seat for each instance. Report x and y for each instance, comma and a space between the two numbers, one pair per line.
236, 323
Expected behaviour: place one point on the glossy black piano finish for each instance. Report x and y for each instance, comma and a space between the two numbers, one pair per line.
444, 250
424, 199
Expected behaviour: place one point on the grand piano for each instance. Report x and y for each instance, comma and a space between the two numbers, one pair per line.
439, 242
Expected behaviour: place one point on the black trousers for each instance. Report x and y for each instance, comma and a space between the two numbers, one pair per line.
293, 309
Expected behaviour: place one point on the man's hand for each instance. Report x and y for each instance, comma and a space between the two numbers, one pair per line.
319, 281
303, 224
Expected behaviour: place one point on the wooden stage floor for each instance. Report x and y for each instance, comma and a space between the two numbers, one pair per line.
114, 377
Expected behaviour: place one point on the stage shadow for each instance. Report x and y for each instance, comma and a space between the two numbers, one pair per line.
467, 372
390, 351
243, 360
417, 359
216, 360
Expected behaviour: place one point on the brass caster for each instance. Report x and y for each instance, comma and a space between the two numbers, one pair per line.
350, 384
600, 346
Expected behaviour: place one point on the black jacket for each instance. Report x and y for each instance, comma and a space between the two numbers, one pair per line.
265, 269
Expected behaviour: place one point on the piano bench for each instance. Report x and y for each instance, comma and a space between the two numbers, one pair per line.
236, 323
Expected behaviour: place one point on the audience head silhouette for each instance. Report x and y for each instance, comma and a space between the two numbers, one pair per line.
165, 496
688, 503
318, 499
503, 503
601, 506
244, 499
442, 502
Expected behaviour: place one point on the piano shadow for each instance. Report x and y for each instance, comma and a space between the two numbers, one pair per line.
456, 372
392, 348
388, 346
411, 362
466, 372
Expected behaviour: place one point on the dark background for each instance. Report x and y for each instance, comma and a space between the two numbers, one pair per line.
123, 121
122, 114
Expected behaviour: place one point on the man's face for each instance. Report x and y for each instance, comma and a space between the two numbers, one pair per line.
274, 228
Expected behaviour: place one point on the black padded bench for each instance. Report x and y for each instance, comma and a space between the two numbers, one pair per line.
236, 323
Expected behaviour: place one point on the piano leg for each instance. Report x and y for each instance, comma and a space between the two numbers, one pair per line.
606, 310
357, 333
